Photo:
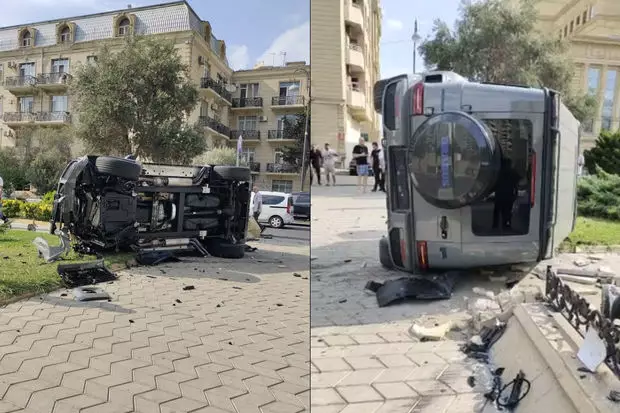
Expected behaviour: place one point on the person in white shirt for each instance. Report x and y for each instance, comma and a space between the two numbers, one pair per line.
330, 157
257, 205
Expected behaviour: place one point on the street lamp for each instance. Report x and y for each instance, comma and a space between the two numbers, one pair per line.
416, 38
305, 145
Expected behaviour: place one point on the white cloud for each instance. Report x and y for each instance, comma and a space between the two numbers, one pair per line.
295, 42
238, 57
394, 24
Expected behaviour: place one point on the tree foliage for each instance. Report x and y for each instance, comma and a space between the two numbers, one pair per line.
497, 41
296, 127
605, 154
136, 101
221, 155
598, 195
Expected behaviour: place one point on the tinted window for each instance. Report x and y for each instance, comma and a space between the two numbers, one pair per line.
272, 199
389, 107
303, 199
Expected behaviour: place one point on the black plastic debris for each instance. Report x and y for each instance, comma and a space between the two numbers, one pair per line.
155, 257
250, 249
435, 287
77, 275
189, 287
488, 336
614, 396
516, 392
90, 294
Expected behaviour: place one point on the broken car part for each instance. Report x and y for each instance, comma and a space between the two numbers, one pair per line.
53, 253
77, 275
435, 287
516, 394
478, 346
155, 257
90, 294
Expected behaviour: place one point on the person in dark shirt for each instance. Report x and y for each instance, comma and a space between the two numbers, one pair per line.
316, 159
360, 154
376, 156
506, 193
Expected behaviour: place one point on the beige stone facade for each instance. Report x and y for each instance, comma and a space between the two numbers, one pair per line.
593, 29
37, 62
345, 65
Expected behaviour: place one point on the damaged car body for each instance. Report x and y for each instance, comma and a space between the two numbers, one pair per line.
114, 203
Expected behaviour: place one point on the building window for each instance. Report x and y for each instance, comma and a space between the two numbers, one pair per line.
278, 157
572, 26
247, 155
248, 90
26, 70
26, 40
282, 186
59, 104
365, 137
124, 27
608, 99
91, 60
584, 17
60, 65
565, 31
282, 119
65, 35
26, 104
248, 123
578, 20
594, 80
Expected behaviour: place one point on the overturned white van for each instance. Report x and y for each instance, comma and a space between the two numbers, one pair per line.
477, 174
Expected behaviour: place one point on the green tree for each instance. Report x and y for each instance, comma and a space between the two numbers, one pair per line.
221, 155
136, 101
497, 41
295, 127
605, 154
12, 171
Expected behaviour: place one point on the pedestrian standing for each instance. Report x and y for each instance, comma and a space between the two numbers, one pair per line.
377, 157
2, 216
329, 163
257, 206
360, 154
316, 159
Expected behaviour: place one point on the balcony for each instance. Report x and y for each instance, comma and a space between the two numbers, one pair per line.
279, 135
355, 57
20, 85
53, 81
254, 167
16, 119
247, 135
217, 88
353, 13
282, 168
288, 102
247, 103
215, 126
356, 101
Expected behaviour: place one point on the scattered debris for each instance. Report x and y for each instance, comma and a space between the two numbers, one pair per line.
131, 321
189, 287
90, 294
250, 249
76, 275
516, 395
279, 305
577, 279
482, 291
580, 262
347, 261
431, 333
63, 294
471, 380
296, 274
155, 257
614, 395
237, 288
151, 276
178, 301
52, 253
436, 287
479, 345
344, 300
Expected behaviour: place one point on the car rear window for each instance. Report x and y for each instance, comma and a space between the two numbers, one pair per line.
272, 199
302, 199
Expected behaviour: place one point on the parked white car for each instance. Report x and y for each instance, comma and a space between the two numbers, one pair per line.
277, 208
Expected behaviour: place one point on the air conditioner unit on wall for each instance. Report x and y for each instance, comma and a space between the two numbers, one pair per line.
262, 118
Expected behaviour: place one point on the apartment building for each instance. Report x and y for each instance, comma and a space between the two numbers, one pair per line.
345, 65
266, 96
592, 28
37, 62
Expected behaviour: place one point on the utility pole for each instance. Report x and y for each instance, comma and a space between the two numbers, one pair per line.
307, 113
416, 38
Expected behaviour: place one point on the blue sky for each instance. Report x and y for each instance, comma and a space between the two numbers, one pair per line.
396, 43
284, 24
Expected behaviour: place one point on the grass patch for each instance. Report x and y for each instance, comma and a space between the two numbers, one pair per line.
23, 272
594, 231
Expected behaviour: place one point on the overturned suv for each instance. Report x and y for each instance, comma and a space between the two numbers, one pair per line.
114, 203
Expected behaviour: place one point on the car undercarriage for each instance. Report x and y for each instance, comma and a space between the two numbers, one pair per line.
106, 203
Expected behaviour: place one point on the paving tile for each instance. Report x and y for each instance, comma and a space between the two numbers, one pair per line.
359, 394
331, 364
430, 388
398, 406
395, 390
434, 404
321, 397
360, 377
364, 362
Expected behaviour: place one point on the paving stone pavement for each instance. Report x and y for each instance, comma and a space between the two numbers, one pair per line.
364, 359
238, 342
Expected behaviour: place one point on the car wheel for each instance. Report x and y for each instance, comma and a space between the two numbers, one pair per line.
232, 173
276, 222
222, 249
122, 168
384, 254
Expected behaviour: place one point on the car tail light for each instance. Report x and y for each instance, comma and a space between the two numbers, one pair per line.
422, 255
533, 179
418, 99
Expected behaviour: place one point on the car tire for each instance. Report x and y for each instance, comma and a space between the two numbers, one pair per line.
384, 254
276, 222
122, 168
221, 249
232, 173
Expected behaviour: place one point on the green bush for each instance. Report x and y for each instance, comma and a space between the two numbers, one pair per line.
12, 208
598, 195
605, 154
39, 211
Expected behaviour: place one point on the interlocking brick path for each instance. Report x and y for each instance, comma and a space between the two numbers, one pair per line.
364, 359
238, 342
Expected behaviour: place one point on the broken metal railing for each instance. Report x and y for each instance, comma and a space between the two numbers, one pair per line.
577, 311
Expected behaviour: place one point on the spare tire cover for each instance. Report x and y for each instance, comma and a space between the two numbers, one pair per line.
453, 160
